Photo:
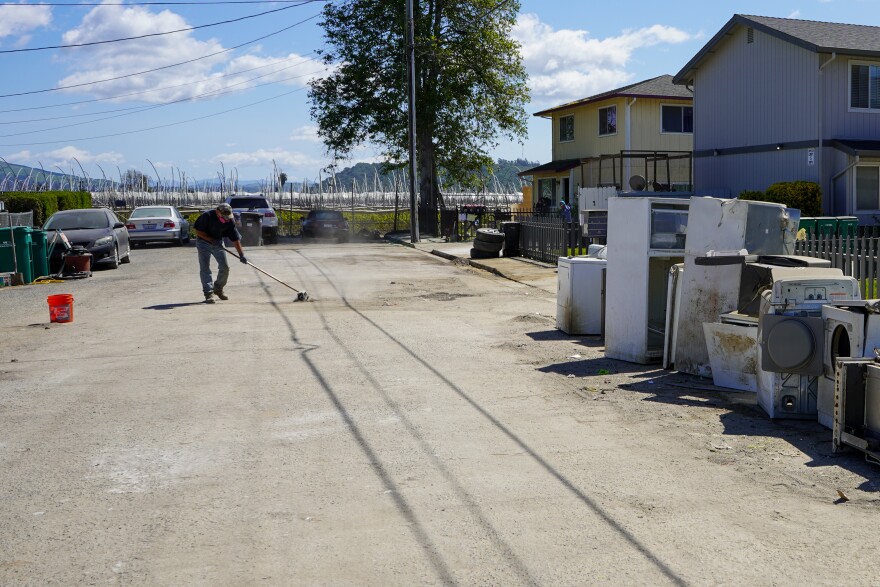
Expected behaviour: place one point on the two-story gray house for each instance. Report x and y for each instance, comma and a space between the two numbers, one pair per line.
778, 99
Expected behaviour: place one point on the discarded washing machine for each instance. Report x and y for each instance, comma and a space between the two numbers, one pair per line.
852, 329
856, 421
791, 336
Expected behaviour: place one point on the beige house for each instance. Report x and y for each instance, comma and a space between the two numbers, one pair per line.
636, 138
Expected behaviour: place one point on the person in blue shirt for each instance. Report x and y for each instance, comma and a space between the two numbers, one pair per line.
210, 228
564, 211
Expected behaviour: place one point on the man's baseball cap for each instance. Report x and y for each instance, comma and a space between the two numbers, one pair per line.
225, 209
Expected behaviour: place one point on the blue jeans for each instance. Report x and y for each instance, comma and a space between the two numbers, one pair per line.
206, 251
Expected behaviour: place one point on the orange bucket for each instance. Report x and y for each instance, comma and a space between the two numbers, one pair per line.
60, 308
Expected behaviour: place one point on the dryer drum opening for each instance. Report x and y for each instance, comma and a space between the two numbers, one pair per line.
791, 344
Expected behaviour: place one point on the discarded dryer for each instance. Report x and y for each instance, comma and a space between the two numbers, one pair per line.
791, 337
857, 407
580, 299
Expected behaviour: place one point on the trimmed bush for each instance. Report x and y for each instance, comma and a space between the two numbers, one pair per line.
753, 195
806, 196
44, 204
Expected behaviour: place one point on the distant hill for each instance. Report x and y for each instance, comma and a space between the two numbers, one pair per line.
363, 175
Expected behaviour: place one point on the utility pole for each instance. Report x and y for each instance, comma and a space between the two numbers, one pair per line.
411, 74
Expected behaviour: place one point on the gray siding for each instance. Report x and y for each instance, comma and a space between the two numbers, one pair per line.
839, 122
753, 171
755, 93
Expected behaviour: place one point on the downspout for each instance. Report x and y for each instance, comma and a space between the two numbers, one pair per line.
845, 170
628, 143
820, 130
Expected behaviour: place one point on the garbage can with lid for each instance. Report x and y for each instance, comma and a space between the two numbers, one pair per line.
23, 262
826, 225
251, 228
512, 231
40, 253
808, 223
848, 226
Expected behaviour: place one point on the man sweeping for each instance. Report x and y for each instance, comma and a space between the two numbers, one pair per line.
211, 227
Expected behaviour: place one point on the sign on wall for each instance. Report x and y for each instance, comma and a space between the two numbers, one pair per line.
811, 157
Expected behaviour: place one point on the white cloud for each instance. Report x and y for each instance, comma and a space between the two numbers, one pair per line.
265, 157
307, 134
794, 14
66, 158
567, 64
99, 62
18, 20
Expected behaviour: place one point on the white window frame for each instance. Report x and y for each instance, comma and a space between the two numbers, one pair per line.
855, 195
849, 105
666, 132
561, 118
599, 117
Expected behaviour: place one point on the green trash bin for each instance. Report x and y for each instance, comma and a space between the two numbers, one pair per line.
40, 253
848, 226
808, 223
826, 225
21, 237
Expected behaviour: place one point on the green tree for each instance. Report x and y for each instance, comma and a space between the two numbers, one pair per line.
282, 179
470, 85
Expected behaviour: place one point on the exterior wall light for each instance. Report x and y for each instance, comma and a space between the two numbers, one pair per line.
779, 147
716, 152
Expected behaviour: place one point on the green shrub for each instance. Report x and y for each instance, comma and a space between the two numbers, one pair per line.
753, 195
44, 204
806, 196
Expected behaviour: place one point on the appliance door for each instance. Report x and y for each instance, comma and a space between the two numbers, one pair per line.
792, 344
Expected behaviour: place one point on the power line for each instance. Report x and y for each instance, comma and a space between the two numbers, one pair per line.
139, 109
111, 79
212, 2
128, 95
149, 35
170, 124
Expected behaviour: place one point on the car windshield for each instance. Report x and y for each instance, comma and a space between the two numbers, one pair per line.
326, 215
78, 219
249, 203
151, 213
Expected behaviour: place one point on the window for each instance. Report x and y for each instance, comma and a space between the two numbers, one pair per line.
867, 187
608, 120
676, 119
864, 86
566, 128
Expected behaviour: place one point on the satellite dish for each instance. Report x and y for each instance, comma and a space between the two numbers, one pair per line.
638, 183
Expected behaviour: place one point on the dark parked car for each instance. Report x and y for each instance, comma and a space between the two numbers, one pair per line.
97, 229
325, 223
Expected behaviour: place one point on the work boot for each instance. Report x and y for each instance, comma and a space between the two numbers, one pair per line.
219, 293
209, 298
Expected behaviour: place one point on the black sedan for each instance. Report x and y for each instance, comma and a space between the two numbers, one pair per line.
97, 229
325, 223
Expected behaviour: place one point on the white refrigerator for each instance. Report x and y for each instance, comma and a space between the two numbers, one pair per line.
580, 299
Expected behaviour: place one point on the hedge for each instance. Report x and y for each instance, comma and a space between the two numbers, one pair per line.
806, 196
44, 204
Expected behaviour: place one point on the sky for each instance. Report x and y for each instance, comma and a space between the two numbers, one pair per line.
231, 99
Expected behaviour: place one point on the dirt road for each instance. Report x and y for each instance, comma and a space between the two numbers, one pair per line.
418, 422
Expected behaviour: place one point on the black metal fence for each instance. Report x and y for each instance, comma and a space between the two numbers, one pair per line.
545, 238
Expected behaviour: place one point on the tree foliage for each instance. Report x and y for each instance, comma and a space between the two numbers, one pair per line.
470, 84
135, 180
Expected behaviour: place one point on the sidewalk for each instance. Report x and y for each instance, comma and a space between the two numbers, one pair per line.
519, 269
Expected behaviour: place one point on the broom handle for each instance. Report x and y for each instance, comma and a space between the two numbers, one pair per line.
263, 272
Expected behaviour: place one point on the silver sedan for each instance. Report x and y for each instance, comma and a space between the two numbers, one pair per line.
157, 224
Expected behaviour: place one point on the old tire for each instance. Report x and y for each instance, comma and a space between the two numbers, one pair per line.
488, 247
478, 254
489, 235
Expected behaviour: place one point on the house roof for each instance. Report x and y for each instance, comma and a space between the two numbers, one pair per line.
553, 166
857, 147
820, 37
658, 87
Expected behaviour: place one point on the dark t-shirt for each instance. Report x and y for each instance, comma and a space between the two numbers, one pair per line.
208, 223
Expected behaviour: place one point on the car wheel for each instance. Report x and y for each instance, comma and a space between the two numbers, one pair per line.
127, 258
178, 242
114, 260
186, 240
